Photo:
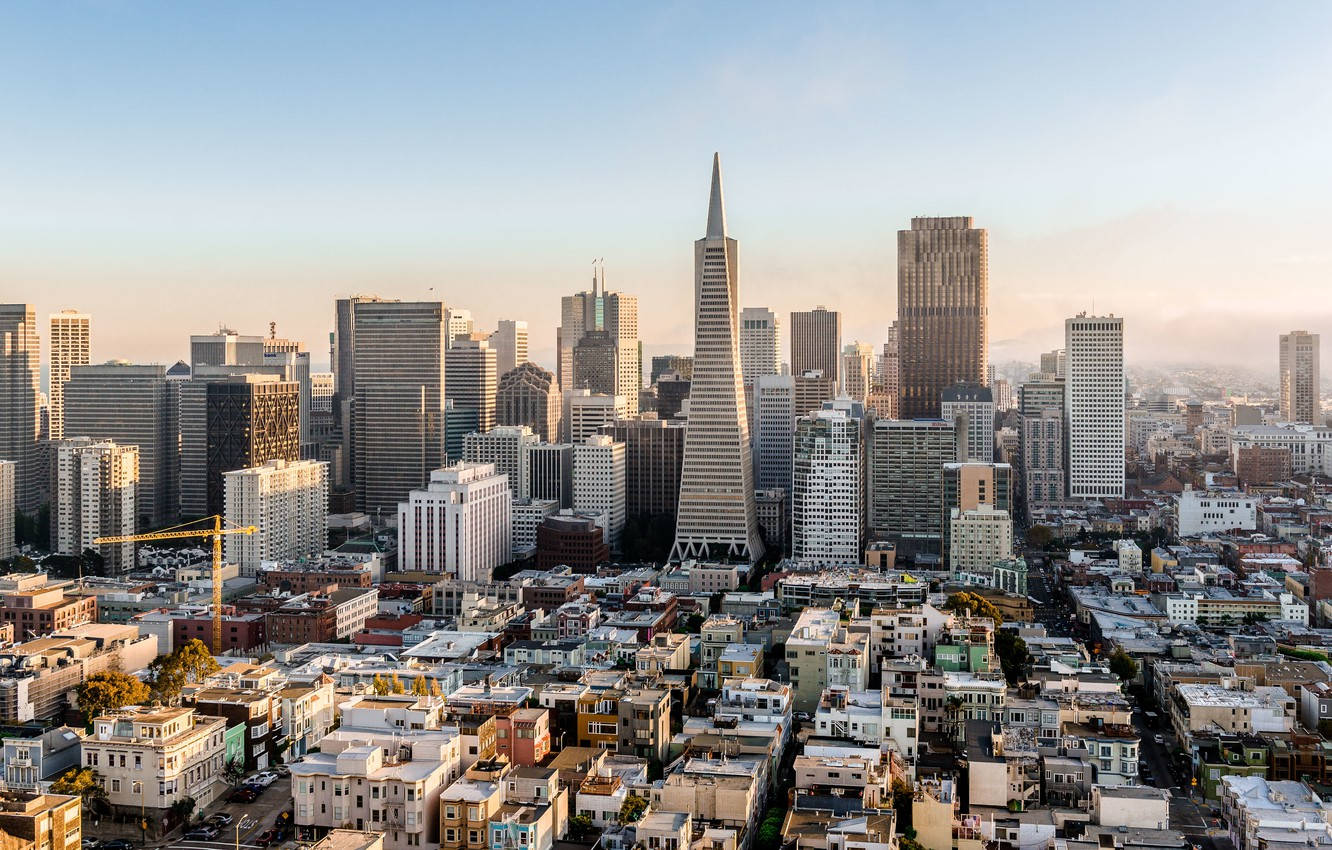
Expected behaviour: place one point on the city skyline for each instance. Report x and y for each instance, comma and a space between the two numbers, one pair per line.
201, 185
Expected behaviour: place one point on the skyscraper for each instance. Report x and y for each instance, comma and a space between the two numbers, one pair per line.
458, 323
398, 415
20, 359
528, 395
287, 502
816, 343
251, 419
653, 459
1301, 394
599, 310
510, 343
1041, 406
943, 290
7, 547
95, 497
760, 344
505, 448
857, 370
716, 514
828, 487
906, 496
598, 482
70, 346
469, 374
226, 348
344, 378
1094, 406
458, 524
971, 407
774, 428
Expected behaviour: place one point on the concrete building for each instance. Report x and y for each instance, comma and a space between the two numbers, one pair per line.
250, 420
29, 819
321, 392
760, 344
774, 431
981, 537
70, 346
653, 462
461, 524
132, 405
471, 378
644, 727
20, 418
906, 475
822, 652
586, 413
549, 472
1299, 376
287, 501
811, 390
816, 343
971, 408
458, 324
1200, 512
967, 486
672, 364
1042, 452
509, 340
615, 314
858, 371
506, 448
96, 495
151, 757
528, 395
8, 549
577, 541
943, 291
828, 493
716, 516
598, 482
398, 405
528, 514
1094, 406
225, 347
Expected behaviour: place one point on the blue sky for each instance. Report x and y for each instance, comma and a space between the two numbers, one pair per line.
170, 166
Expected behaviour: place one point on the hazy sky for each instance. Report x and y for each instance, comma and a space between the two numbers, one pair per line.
172, 166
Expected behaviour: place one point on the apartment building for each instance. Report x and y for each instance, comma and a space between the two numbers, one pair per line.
150, 758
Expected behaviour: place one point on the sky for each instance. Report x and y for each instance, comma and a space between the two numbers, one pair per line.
171, 167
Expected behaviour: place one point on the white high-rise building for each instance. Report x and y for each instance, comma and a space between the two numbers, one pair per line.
774, 430
716, 516
471, 379
857, 370
598, 482
972, 408
760, 344
510, 343
321, 392
615, 313
828, 494
1301, 394
287, 501
8, 549
585, 412
505, 448
96, 489
70, 346
1094, 406
457, 322
460, 525
20, 415
979, 538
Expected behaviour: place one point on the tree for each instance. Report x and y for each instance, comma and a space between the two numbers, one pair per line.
197, 662
692, 624
580, 826
189, 663
419, 686
110, 689
1014, 658
1123, 665
978, 605
233, 771
396, 685
182, 809
380, 686
435, 689
902, 795
82, 782
770, 830
1039, 536
632, 809
1253, 618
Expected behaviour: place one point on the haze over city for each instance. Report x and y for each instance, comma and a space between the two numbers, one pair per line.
246, 164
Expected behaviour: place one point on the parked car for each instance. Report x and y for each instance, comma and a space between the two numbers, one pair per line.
220, 819
240, 795
282, 770
203, 833
115, 844
264, 778
88, 844
267, 837
1160, 739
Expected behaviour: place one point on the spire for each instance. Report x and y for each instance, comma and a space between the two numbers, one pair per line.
716, 210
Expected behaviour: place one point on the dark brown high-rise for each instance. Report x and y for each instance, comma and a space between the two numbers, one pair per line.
943, 291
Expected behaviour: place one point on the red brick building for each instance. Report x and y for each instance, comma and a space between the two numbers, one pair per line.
573, 541
239, 631
1262, 465
43, 610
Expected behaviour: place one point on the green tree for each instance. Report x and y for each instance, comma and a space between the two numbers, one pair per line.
189, 663
182, 809
632, 809
1253, 618
82, 782
1014, 658
233, 772
977, 604
770, 830
902, 795
692, 624
580, 826
197, 662
1039, 536
110, 689
1123, 665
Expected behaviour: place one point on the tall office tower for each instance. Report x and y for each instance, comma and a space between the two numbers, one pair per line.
251, 419
1301, 394
70, 346
459, 421
653, 461
225, 348
760, 344
906, 471
858, 371
1042, 452
816, 343
321, 392
293, 366
1054, 363
888, 361
585, 412
469, 374
528, 395
774, 431
828, 491
967, 486
95, 482
459, 525
287, 502
138, 406
549, 469
594, 363
504, 447
943, 293
458, 323
1094, 406
812, 389
615, 313
510, 343
398, 409
972, 408
598, 482
672, 393
716, 514
20, 361
672, 364
344, 375
8, 549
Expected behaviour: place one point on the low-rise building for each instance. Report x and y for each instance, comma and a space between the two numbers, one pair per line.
821, 652
41, 821
150, 758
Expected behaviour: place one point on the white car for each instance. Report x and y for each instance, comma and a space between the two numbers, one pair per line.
264, 778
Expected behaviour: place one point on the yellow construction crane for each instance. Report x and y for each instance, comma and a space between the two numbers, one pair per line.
176, 533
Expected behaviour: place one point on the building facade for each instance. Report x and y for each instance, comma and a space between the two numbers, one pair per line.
471, 377
971, 407
287, 501
461, 524
1299, 374
1094, 406
598, 482
70, 346
96, 493
20, 361
528, 395
760, 344
816, 343
828, 495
